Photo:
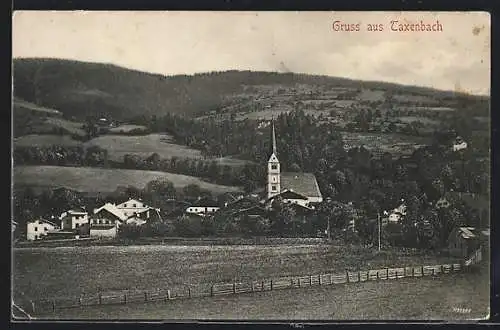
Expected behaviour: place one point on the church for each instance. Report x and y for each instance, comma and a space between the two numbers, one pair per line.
293, 187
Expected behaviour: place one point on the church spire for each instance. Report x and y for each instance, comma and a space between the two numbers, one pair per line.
274, 138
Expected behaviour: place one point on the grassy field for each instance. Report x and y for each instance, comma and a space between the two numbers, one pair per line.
70, 271
126, 128
447, 297
45, 140
145, 145
395, 144
87, 179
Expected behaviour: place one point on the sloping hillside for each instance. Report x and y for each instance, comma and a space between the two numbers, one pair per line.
79, 89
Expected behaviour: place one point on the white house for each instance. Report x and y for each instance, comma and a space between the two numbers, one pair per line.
397, 214
106, 220
74, 218
459, 144
39, 228
203, 206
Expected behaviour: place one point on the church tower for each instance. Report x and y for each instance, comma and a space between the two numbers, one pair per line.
273, 169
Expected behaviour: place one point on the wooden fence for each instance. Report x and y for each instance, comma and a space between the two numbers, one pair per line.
211, 290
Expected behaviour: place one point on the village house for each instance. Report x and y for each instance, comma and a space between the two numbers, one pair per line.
39, 228
74, 218
203, 207
294, 187
396, 215
106, 220
133, 207
464, 241
459, 144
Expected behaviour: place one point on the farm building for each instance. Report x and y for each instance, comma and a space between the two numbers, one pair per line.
301, 187
38, 229
463, 241
74, 218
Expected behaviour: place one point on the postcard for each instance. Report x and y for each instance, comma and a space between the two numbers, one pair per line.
298, 166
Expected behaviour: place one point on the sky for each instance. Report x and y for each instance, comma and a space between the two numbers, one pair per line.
456, 58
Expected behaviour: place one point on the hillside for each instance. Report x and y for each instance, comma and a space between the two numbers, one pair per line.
80, 89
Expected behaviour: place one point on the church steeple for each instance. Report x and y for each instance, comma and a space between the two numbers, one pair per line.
273, 137
273, 168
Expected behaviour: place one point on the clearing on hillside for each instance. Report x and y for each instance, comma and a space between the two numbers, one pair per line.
88, 179
45, 140
145, 145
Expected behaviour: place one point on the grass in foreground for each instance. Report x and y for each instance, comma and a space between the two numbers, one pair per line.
71, 271
462, 296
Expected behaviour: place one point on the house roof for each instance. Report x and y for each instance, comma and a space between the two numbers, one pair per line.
77, 210
205, 202
301, 183
289, 194
45, 221
132, 201
113, 210
467, 232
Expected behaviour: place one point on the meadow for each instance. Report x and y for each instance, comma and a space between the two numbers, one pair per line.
73, 271
396, 144
462, 296
87, 179
145, 145
45, 140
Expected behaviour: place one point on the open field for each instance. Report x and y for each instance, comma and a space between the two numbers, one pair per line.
118, 268
449, 297
396, 144
87, 179
145, 145
72, 127
45, 140
126, 128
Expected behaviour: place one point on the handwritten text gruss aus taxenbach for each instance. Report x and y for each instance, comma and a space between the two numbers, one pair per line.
391, 26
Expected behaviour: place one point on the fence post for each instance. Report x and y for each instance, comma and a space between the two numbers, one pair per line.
442, 269
378, 277
145, 296
262, 288
100, 299
310, 280
331, 279
253, 288
168, 294
234, 287
359, 276
211, 290
53, 305
291, 282
33, 307
387, 273
125, 298
319, 279
347, 276
298, 282
422, 268
404, 271
413, 271
189, 291
433, 271
80, 300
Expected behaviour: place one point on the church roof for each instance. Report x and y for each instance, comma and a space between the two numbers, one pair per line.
301, 183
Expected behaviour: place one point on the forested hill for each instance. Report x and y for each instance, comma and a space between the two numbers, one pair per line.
81, 89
